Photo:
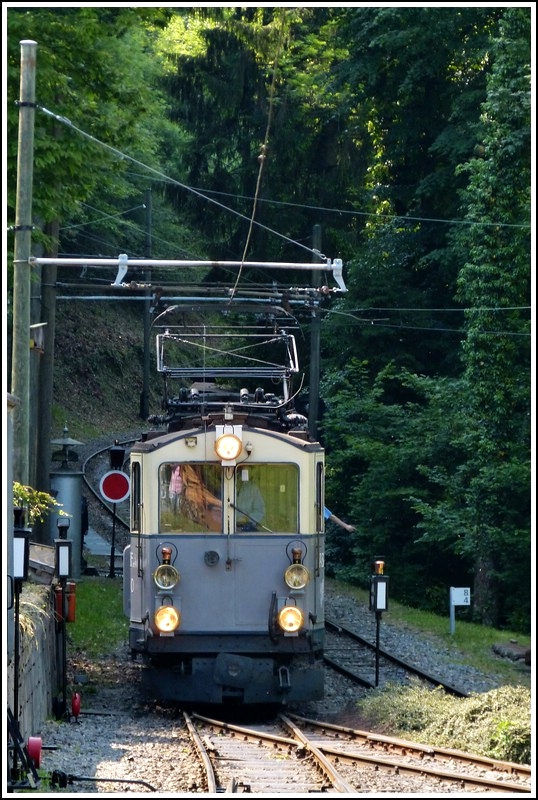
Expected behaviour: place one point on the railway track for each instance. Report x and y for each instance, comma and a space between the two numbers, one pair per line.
294, 755
354, 656
265, 758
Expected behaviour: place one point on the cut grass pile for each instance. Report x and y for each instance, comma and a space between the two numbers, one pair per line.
496, 724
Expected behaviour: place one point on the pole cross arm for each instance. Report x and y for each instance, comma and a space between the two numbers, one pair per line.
122, 262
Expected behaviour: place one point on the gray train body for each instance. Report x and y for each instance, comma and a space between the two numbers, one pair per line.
225, 604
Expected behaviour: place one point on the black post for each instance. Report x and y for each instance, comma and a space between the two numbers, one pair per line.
16, 661
21, 545
117, 454
377, 628
63, 570
112, 571
378, 602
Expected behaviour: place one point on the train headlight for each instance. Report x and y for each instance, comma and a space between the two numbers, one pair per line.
167, 619
290, 619
166, 576
297, 576
228, 447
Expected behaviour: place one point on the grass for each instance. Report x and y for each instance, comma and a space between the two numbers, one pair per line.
100, 625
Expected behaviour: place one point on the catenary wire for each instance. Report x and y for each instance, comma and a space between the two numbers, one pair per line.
121, 155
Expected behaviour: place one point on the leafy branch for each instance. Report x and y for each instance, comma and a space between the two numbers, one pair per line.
35, 503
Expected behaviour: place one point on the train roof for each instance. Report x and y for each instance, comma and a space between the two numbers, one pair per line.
228, 364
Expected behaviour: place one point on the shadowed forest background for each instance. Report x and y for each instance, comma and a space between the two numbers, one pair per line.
404, 135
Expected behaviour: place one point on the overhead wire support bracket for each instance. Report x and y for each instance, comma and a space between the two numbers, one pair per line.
123, 262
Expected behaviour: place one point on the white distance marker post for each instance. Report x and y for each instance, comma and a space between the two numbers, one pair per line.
458, 597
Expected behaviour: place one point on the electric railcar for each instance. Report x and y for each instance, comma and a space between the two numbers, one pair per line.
224, 573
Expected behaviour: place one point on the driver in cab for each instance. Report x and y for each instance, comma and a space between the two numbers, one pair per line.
250, 505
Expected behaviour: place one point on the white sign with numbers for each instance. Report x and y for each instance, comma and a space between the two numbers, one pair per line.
460, 597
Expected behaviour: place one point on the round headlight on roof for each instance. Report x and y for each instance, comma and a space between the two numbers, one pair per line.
228, 446
296, 576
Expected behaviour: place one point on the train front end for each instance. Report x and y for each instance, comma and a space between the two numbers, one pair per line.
224, 574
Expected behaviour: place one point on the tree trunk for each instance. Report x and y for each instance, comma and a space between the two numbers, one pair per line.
485, 603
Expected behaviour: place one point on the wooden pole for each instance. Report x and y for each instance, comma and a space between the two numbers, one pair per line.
20, 374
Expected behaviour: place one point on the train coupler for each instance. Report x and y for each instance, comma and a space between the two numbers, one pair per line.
284, 680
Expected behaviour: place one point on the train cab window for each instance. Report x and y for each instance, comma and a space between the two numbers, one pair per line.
320, 498
135, 498
190, 498
266, 498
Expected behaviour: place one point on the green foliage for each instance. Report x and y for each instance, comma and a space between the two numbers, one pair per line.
405, 444
392, 428
34, 503
496, 724
94, 68
495, 283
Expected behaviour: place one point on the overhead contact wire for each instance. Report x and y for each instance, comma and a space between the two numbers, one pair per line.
261, 158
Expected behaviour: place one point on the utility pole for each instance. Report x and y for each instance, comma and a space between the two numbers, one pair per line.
20, 373
315, 337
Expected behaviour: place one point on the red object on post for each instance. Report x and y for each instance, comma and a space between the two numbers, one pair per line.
75, 705
71, 602
115, 486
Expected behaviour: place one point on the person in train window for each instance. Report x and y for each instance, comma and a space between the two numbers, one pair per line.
175, 488
250, 504
333, 518
201, 505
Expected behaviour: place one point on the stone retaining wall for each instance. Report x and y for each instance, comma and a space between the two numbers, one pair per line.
38, 661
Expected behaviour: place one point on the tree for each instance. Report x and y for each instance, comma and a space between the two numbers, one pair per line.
495, 284
92, 89
398, 131
94, 71
388, 442
484, 501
